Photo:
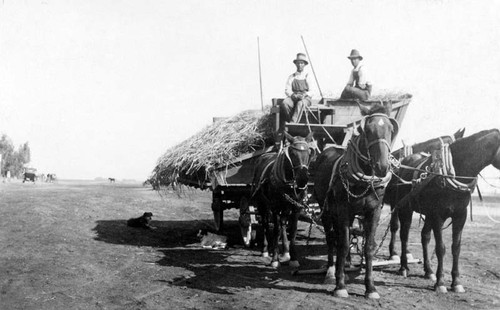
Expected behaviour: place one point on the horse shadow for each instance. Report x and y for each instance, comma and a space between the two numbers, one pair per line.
216, 271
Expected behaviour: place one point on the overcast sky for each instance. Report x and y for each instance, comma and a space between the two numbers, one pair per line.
103, 88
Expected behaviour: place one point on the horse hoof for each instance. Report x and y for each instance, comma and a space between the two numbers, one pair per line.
440, 289
431, 276
285, 257
395, 258
409, 256
330, 276
265, 254
458, 289
294, 264
403, 273
340, 293
275, 264
372, 295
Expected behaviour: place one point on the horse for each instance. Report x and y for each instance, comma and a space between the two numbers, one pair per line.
353, 182
280, 184
397, 189
445, 194
111, 180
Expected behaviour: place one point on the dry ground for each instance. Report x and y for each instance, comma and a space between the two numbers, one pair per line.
67, 246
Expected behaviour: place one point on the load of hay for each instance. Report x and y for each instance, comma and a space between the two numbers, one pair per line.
216, 145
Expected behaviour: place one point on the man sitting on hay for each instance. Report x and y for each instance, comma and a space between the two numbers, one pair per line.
358, 86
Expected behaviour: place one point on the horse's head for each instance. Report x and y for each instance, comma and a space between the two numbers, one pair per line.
378, 131
299, 152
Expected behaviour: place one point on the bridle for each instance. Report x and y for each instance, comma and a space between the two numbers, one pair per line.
278, 171
351, 172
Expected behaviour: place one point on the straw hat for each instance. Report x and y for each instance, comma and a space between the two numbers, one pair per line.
301, 57
355, 54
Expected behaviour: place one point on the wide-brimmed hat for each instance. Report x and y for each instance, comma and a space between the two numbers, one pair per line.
355, 54
301, 57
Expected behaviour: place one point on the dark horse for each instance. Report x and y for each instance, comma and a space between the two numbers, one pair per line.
446, 195
280, 181
353, 182
397, 189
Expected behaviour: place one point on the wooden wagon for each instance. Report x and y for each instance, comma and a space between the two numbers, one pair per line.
332, 121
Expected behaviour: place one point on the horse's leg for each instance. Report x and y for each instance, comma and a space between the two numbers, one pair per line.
425, 236
371, 223
284, 239
294, 219
275, 240
265, 233
405, 217
458, 226
394, 229
437, 226
341, 227
330, 241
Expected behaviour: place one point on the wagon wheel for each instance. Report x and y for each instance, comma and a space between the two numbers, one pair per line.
218, 211
245, 220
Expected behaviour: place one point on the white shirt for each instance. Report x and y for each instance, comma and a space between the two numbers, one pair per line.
363, 77
299, 76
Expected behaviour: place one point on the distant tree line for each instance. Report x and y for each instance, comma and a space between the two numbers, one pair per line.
13, 160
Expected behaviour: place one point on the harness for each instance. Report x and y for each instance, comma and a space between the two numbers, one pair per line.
439, 165
277, 173
348, 166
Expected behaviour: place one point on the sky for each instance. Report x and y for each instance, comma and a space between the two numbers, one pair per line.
104, 88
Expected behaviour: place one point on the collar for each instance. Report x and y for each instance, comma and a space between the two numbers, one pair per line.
297, 73
358, 67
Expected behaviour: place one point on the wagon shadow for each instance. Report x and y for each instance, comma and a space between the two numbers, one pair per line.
216, 271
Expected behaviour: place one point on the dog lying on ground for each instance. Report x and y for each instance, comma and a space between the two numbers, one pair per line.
142, 221
210, 240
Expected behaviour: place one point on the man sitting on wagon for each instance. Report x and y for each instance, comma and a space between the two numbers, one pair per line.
358, 86
298, 92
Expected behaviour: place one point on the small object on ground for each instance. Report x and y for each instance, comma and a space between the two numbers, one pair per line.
142, 221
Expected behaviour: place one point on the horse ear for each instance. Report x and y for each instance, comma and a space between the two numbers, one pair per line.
361, 126
388, 107
365, 109
288, 137
309, 137
395, 128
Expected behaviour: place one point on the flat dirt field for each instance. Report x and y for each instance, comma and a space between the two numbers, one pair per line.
67, 246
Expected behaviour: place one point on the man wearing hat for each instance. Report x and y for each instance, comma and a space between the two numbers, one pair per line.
358, 86
298, 92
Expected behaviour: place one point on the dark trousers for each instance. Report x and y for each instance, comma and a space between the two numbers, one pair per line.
355, 93
290, 110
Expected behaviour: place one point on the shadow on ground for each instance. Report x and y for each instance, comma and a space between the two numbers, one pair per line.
216, 271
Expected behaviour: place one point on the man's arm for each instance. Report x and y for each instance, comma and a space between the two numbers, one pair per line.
288, 86
351, 80
310, 83
363, 78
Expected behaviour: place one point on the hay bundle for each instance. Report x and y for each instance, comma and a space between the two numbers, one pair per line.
387, 95
215, 145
